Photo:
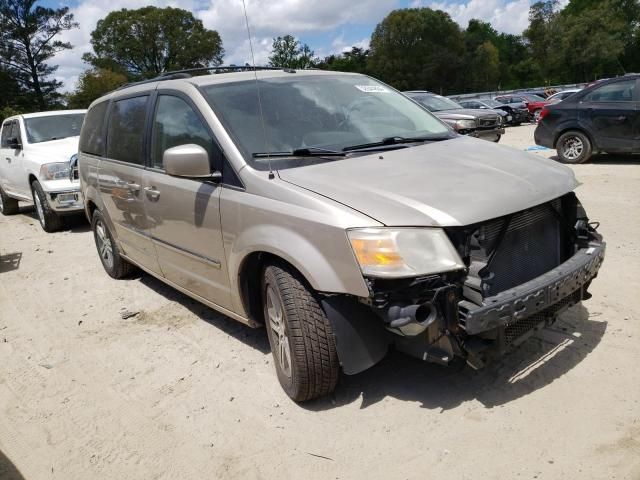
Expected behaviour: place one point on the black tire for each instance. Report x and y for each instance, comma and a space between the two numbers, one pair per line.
574, 147
50, 221
313, 359
116, 266
8, 205
498, 137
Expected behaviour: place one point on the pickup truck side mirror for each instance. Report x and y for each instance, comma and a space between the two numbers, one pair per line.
14, 143
189, 161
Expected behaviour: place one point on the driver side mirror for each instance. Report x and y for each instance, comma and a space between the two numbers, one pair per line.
189, 161
14, 143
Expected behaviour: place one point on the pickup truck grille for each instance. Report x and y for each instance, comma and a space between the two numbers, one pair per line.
485, 122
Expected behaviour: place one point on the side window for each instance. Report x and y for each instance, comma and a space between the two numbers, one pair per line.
6, 134
15, 132
176, 123
126, 129
613, 92
92, 134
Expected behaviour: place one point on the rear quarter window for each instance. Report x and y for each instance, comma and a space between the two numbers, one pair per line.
126, 130
6, 134
92, 134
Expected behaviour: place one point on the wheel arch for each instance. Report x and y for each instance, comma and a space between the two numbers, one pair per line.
569, 128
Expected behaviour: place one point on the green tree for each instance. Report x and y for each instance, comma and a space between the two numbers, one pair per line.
417, 48
485, 67
28, 40
354, 60
288, 52
544, 36
94, 83
146, 42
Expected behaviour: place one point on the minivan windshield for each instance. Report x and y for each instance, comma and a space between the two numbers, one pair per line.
53, 127
318, 114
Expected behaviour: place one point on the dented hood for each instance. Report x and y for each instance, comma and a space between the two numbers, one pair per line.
449, 183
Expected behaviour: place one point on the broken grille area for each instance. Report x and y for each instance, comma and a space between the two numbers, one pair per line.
519, 328
515, 249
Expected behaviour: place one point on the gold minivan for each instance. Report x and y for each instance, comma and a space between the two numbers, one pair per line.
336, 212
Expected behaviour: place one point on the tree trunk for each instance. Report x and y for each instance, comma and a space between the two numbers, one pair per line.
34, 76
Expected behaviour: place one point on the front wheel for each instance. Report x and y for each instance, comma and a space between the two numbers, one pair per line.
573, 147
497, 139
49, 219
300, 335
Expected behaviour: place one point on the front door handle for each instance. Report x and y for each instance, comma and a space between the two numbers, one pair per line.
134, 187
152, 193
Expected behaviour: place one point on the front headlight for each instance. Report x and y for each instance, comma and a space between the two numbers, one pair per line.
403, 252
465, 124
54, 171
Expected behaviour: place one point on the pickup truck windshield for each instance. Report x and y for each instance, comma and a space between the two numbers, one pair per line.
53, 127
316, 113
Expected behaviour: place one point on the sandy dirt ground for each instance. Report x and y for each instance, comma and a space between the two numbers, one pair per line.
179, 391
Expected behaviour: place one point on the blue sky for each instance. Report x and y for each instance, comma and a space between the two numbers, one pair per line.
328, 26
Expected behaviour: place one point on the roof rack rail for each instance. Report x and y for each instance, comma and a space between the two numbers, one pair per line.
186, 73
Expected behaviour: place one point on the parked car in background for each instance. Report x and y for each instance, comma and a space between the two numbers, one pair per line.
558, 97
602, 118
339, 214
35, 154
534, 103
517, 113
485, 124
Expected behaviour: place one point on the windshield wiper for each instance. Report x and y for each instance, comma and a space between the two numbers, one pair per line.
391, 141
302, 152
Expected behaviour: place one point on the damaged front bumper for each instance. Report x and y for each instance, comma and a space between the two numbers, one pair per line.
534, 296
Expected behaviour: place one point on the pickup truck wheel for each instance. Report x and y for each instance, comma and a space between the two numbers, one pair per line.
8, 205
302, 343
113, 263
49, 220
497, 139
573, 147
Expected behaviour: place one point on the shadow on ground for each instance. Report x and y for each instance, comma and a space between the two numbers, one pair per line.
10, 261
606, 159
8, 471
75, 223
538, 362
256, 338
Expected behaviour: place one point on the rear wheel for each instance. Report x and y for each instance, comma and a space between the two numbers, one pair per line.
573, 147
114, 264
49, 219
8, 205
300, 335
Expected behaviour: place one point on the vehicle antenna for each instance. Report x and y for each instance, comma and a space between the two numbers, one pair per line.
255, 72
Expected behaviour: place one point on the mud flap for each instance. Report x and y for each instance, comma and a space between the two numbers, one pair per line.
361, 339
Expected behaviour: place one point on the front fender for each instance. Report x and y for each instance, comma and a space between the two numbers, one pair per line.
338, 274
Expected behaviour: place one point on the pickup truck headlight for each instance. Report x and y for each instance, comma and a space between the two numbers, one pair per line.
403, 252
54, 171
465, 124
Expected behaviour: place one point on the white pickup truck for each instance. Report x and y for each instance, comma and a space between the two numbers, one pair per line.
35, 154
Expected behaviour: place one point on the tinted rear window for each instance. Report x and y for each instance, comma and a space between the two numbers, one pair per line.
6, 133
92, 136
126, 129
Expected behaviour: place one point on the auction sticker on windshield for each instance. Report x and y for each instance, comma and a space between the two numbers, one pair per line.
372, 88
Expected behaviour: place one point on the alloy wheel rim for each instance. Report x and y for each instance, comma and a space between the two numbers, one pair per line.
105, 248
281, 347
573, 148
39, 208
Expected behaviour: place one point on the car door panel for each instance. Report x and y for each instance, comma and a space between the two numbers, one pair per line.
609, 116
184, 214
11, 159
120, 176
